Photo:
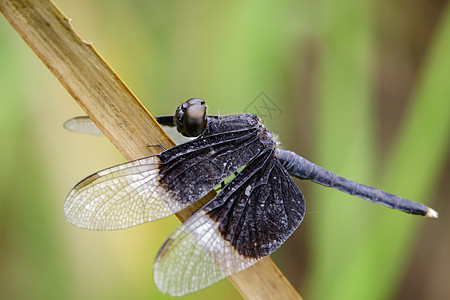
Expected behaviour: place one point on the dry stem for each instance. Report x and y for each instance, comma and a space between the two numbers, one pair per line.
115, 110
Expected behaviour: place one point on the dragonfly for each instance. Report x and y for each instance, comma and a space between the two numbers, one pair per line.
257, 207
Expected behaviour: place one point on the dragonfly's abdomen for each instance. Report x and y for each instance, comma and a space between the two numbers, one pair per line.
302, 168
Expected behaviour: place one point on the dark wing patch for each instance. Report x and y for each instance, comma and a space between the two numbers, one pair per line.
154, 187
250, 218
191, 170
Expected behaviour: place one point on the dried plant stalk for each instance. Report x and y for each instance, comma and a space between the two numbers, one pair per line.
116, 111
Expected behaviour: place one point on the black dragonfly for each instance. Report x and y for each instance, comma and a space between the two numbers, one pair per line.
250, 217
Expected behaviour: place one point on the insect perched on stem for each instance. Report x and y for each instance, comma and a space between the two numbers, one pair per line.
250, 217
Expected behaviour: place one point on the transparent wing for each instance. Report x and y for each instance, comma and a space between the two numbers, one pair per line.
84, 124
249, 219
119, 197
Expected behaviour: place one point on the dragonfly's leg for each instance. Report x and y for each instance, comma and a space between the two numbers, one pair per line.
157, 145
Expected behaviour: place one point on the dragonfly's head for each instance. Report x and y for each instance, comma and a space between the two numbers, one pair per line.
190, 117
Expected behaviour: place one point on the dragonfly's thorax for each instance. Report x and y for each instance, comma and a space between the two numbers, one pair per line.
267, 137
240, 124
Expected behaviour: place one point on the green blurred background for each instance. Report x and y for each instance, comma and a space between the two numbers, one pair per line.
362, 88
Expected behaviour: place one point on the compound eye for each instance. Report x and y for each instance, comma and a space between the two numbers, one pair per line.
191, 117
195, 101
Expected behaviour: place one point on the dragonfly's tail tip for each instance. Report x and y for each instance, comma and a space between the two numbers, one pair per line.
431, 213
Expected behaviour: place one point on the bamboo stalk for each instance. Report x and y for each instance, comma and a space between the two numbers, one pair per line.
116, 111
